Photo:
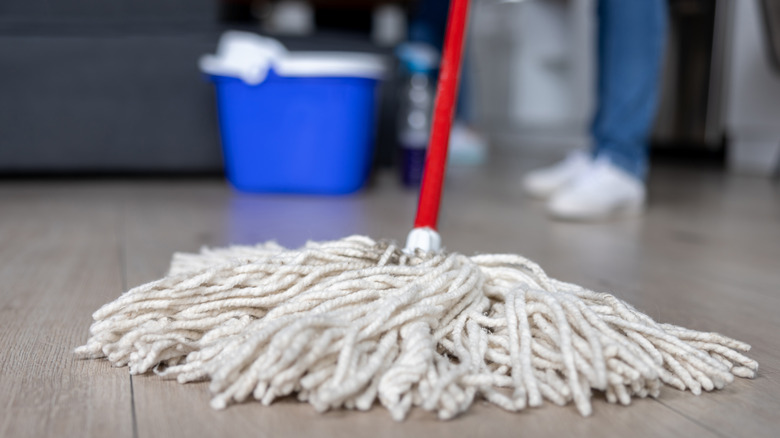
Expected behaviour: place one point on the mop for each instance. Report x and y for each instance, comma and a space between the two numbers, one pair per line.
353, 323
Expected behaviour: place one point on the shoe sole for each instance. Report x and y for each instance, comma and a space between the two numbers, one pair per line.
540, 194
626, 211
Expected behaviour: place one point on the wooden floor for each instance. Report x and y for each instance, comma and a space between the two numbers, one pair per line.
706, 255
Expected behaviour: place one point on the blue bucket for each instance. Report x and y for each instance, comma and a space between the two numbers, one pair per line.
306, 127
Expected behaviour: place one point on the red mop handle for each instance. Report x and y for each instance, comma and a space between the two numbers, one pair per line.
443, 111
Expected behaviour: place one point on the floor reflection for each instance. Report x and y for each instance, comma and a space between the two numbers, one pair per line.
609, 254
291, 220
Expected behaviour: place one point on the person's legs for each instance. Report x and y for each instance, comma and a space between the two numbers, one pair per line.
429, 22
428, 25
631, 40
631, 36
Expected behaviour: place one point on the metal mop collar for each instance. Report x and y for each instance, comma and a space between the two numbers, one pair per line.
352, 322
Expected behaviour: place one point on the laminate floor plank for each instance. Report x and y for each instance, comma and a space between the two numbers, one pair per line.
705, 255
59, 261
602, 256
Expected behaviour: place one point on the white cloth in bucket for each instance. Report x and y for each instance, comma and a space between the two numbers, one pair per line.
249, 57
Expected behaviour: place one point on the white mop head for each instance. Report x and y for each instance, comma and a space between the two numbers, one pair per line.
351, 322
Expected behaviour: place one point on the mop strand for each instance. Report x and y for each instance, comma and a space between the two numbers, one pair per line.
347, 323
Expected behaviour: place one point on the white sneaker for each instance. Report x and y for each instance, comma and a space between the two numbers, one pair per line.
467, 146
543, 183
602, 192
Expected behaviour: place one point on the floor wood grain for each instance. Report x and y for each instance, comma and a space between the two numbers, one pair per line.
59, 261
706, 255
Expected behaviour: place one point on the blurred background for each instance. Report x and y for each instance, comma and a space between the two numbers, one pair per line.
95, 87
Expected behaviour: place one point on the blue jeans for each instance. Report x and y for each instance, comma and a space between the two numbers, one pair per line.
631, 41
